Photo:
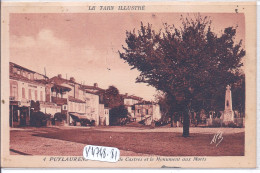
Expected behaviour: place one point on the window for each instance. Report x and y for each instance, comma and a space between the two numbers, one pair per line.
36, 95
41, 96
146, 111
79, 107
23, 93
14, 92
30, 94
138, 110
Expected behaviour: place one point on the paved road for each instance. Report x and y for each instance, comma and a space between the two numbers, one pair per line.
38, 141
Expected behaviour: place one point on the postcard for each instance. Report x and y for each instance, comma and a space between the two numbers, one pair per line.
128, 84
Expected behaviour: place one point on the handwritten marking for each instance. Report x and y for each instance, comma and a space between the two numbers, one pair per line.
217, 138
101, 153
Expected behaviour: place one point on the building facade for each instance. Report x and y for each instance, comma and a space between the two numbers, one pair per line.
92, 106
70, 96
25, 86
147, 112
129, 102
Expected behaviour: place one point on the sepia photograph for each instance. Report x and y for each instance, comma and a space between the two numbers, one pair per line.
167, 85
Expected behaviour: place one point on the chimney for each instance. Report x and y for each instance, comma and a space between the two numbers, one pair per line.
126, 94
72, 79
59, 76
95, 85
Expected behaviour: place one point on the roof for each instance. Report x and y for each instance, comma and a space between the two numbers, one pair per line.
43, 81
26, 69
59, 80
72, 99
91, 92
24, 79
91, 87
131, 97
61, 86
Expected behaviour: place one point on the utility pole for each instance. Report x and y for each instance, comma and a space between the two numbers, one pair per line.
45, 72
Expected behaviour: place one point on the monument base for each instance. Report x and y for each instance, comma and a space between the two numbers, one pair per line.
228, 117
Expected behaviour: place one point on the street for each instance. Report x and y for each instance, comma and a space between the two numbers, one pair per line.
131, 141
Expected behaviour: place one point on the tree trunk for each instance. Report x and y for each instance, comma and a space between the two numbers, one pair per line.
186, 123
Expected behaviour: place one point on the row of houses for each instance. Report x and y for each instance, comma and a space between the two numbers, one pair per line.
65, 96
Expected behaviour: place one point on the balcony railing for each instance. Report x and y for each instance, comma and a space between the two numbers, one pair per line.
59, 101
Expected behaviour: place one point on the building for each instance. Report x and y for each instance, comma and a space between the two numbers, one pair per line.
95, 90
130, 101
25, 86
92, 105
101, 114
70, 96
95, 104
106, 116
147, 112
79, 102
58, 95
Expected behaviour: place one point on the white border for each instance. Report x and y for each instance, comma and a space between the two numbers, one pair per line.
27, 170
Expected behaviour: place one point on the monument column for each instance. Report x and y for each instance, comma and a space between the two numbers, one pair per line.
228, 112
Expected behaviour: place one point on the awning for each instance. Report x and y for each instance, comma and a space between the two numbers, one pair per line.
80, 116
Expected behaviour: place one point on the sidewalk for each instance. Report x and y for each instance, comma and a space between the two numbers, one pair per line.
195, 130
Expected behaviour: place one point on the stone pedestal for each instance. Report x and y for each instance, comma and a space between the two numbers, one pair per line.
228, 116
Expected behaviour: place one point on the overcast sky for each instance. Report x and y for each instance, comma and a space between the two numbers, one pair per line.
86, 46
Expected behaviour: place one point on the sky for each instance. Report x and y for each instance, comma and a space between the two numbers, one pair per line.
85, 45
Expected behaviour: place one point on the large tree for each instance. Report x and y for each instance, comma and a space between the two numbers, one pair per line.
188, 63
112, 97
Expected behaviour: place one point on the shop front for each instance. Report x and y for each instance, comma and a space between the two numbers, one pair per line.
19, 113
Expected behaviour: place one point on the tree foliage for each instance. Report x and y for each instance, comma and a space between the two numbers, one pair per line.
112, 97
191, 64
175, 59
116, 114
